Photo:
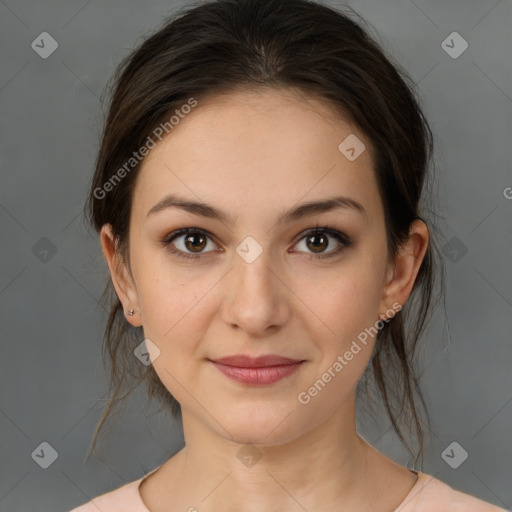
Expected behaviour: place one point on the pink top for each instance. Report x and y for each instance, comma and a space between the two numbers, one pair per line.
428, 495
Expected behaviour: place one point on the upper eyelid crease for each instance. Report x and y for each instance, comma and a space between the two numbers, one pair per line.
334, 232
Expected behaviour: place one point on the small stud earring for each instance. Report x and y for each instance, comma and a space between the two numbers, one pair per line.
131, 312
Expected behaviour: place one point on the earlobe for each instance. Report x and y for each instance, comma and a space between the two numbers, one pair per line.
120, 275
402, 276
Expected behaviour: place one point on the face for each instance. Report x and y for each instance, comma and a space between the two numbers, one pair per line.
256, 282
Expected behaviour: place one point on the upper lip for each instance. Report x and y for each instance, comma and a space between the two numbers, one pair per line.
243, 361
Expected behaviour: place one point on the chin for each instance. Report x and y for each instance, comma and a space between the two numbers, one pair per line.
276, 428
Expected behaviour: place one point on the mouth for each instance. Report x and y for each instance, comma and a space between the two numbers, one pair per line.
261, 370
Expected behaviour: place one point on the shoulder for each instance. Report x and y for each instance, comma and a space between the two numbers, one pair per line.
432, 495
122, 499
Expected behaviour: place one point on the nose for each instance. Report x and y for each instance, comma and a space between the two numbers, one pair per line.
257, 296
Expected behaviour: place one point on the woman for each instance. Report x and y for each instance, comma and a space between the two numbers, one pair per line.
257, 194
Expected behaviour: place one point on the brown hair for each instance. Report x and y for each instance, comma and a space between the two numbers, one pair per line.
224, 45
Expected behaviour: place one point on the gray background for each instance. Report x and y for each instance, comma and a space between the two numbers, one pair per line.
52, 383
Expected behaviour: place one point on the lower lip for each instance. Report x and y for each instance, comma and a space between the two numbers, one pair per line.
258, 376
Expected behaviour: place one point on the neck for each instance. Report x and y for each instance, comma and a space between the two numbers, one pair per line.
329, 461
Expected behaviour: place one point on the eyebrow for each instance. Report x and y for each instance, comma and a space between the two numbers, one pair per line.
303, 210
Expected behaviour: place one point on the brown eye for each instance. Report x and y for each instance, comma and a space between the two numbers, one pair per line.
192, 242
188, 243
195, 242
318, 240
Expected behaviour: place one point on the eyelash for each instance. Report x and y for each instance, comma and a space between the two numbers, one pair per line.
340, 237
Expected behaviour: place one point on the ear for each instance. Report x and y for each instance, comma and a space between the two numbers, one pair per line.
401, 274
121, 276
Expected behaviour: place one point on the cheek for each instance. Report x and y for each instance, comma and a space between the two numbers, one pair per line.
173, 318
174, 309
343, 339
176, 306
167, 293
343, 304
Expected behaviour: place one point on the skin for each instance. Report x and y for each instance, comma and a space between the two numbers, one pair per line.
256, 155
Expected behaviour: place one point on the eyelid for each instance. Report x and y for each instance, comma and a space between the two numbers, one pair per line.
344, 240
168, 239
335, 233
341, 238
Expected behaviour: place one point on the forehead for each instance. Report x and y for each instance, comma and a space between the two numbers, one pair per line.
249, 151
